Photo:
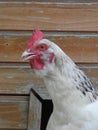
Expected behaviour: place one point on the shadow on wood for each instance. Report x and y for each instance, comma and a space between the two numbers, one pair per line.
40, 108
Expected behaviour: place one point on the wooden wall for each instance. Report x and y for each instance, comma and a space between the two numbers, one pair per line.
73, 25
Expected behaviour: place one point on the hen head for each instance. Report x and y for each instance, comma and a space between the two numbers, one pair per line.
38, 51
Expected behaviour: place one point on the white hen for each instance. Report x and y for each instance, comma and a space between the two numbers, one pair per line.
74, 97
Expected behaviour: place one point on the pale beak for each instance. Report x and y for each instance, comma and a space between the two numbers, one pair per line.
27, 55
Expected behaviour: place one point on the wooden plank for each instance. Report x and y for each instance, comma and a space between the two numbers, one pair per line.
13, 112
42, 108
35, 109
17, 80
48, 16
12, 129
81, 47
20, 79
11, 48
54, 1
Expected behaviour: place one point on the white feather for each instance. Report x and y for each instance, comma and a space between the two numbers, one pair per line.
74, 98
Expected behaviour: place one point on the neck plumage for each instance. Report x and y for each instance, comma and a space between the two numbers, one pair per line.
65, 83
60, 82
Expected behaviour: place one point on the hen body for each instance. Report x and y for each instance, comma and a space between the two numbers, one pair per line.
74, 97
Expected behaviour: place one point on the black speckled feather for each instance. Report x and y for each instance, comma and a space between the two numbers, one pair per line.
85, 85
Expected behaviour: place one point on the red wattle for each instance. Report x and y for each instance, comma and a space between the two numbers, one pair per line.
36, 63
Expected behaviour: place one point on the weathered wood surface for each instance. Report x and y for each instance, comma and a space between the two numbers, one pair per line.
48, 16
55, 1
35, 110
42, 108
13, 112
19, 79
81, 47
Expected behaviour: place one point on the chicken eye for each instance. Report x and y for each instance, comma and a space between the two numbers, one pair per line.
43, 47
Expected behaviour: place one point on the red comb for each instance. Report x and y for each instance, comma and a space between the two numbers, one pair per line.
36, 35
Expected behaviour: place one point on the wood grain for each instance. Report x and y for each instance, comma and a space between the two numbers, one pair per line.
20, 79
42, 108
17, 80
30, 15
11, 48
54, 1
13, 112
81, 47
35, 109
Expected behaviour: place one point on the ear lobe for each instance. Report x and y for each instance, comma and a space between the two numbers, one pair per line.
51, 57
